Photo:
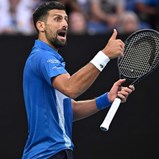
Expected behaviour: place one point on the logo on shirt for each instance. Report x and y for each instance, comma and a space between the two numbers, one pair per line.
53, 61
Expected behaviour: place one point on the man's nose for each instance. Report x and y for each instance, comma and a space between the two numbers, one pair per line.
65, 23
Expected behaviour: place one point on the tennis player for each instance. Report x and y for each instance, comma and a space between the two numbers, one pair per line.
50, 91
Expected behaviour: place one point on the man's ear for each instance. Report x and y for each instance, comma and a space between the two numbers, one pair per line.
40, 26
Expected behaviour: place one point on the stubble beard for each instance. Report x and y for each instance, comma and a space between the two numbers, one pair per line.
55, 42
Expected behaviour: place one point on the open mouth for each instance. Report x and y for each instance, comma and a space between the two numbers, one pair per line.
62, 34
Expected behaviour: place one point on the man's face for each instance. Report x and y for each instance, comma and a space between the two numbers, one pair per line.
56, 27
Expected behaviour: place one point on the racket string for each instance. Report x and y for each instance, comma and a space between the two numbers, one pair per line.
140, 56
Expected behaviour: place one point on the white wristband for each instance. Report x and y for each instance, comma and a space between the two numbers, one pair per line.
100, 60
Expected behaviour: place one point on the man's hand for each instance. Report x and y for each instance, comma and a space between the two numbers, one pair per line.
114, 47
121, 92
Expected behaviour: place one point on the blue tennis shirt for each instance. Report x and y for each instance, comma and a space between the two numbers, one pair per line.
49, 112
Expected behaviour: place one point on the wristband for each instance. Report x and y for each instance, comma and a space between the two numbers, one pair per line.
100, 60
103, 101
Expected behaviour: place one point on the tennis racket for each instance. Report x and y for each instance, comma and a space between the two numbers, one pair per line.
141, 58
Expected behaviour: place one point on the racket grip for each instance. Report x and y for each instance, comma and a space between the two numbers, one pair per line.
110, 115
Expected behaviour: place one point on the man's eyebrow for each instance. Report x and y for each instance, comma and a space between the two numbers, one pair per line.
58, 15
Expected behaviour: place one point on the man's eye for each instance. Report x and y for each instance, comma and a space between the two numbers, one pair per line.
58, 19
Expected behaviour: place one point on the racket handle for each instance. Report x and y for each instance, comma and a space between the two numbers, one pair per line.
107, 120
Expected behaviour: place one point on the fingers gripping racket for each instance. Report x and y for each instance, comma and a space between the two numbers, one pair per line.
141, 58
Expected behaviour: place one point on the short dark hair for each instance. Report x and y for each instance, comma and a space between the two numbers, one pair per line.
42, 11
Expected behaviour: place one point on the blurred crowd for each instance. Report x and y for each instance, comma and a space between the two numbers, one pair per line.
85, 16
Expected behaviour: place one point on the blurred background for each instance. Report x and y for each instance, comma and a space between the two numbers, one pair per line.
134, 131
85, 16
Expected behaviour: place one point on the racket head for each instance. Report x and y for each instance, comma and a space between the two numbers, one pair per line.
141, 55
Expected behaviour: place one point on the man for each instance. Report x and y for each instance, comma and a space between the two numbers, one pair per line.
49, 90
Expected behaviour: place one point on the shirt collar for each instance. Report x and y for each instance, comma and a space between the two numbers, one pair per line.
42, 45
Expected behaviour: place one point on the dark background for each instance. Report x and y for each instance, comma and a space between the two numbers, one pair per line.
134, 131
